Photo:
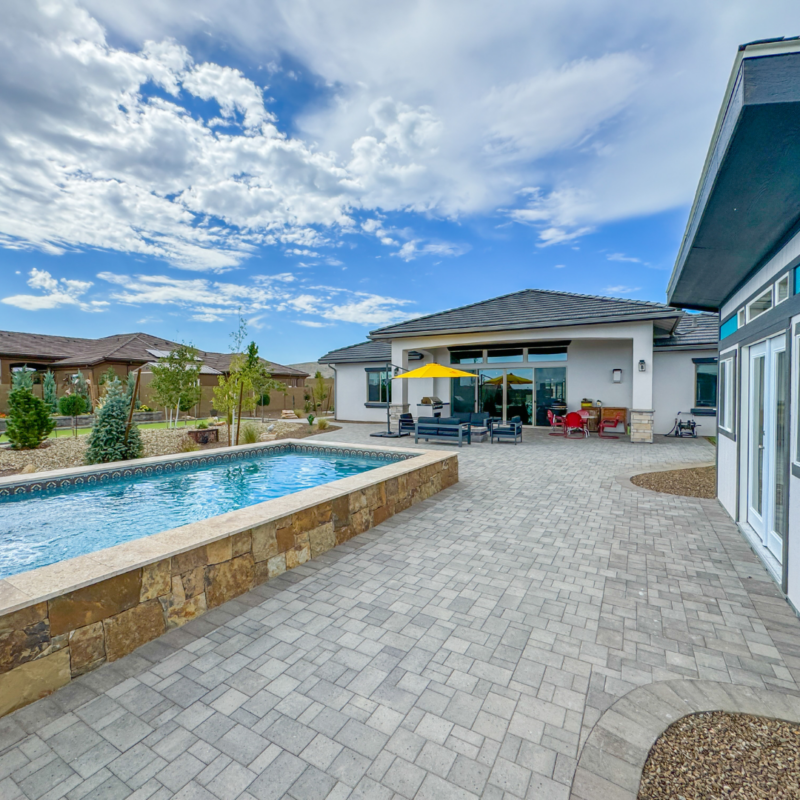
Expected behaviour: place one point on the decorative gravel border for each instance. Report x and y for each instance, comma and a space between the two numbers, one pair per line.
624, 479
101, 474
611, 762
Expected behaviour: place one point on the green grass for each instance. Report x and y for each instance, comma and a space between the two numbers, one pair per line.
64, 433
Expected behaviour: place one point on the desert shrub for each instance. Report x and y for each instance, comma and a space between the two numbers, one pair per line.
29, 421
322, 424
107, 441
143, 407
187, 445
202, 425
249, 434
311, 419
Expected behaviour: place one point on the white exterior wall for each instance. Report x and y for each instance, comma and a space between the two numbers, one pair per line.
351, 394
589, 367
674, 389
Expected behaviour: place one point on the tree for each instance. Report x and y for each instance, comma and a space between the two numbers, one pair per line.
73, 405
81, 387
29, 420
131, 388
49, 390
176, 380
22, 378
108, 440
319, 390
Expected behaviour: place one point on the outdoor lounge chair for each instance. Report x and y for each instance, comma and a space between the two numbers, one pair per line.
612, 422
507, 430
556, 423
443, 429
575, 423
406, 425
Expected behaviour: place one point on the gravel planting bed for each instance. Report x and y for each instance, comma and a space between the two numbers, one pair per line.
696, 482
70, 452
721, 756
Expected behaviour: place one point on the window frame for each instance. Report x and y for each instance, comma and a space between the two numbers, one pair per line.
768, 292
384, 378
741, 318
726, 367
784, 279
697, 373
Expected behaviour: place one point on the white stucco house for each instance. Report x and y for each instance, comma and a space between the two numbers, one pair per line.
740, 257
535, 350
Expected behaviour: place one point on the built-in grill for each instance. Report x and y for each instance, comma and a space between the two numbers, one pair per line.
430, 406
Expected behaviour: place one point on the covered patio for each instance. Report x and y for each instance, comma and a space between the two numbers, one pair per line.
489, 642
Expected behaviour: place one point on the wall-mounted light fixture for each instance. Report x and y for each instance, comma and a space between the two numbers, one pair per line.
616, 376
642, 366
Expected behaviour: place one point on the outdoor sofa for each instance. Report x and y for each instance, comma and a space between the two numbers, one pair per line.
476, 419
449, 429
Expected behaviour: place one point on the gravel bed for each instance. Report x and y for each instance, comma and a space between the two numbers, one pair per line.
70, 452
695, 482
721, 756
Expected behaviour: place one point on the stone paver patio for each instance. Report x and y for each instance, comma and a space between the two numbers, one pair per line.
465, 648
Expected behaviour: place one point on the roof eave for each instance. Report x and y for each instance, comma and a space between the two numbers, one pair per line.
564, 323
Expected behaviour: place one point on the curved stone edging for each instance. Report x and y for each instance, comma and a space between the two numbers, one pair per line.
611, 762
624, 479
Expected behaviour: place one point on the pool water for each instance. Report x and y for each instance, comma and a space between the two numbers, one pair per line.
41, 529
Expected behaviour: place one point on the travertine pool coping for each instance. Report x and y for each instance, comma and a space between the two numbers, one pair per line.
44, 583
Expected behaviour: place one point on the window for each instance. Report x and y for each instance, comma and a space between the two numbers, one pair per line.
706, 386
782, 289
466, 357
545, 353
758, 306
502, 355
725, 410
741, 318
379, 386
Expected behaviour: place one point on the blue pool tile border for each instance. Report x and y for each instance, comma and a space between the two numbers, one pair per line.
113, 474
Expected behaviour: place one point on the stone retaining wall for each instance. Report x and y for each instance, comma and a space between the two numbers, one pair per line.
44, 645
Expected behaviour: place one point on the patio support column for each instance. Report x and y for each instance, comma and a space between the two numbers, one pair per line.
399, 404
642, 386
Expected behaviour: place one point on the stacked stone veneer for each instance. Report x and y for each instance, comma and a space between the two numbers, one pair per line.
642, 426
46, 644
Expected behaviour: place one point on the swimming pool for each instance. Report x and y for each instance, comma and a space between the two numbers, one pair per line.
60, 521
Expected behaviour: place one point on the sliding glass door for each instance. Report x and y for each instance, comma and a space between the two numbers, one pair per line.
519, 395
490, 391
551, 392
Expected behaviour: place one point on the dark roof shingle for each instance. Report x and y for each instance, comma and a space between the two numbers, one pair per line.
530, 308
694, 330
357, 353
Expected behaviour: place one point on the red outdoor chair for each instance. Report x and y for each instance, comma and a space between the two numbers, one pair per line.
575, 422
617, 419
556, 424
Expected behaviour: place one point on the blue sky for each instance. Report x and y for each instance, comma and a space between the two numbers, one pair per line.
329, 168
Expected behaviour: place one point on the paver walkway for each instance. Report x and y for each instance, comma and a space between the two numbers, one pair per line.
464, 648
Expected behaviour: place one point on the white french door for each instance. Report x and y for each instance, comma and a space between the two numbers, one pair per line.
766, 497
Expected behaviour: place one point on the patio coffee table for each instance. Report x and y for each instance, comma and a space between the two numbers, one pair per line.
479, 434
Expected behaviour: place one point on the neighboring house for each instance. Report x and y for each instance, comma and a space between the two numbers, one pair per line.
534, 350
65, 355
312, 367
740, 257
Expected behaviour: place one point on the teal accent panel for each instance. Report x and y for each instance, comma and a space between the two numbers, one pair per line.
797, 280
729, 327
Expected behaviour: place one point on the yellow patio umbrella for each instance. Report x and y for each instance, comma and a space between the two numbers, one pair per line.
436, 371
511, 377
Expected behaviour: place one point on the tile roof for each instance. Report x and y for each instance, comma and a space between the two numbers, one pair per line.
357, 353
71, 351
530, 308
694, 330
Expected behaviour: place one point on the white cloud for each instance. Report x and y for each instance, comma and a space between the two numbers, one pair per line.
615, 290
54, 293
209, 300
418, 113
307, 323
623, 258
